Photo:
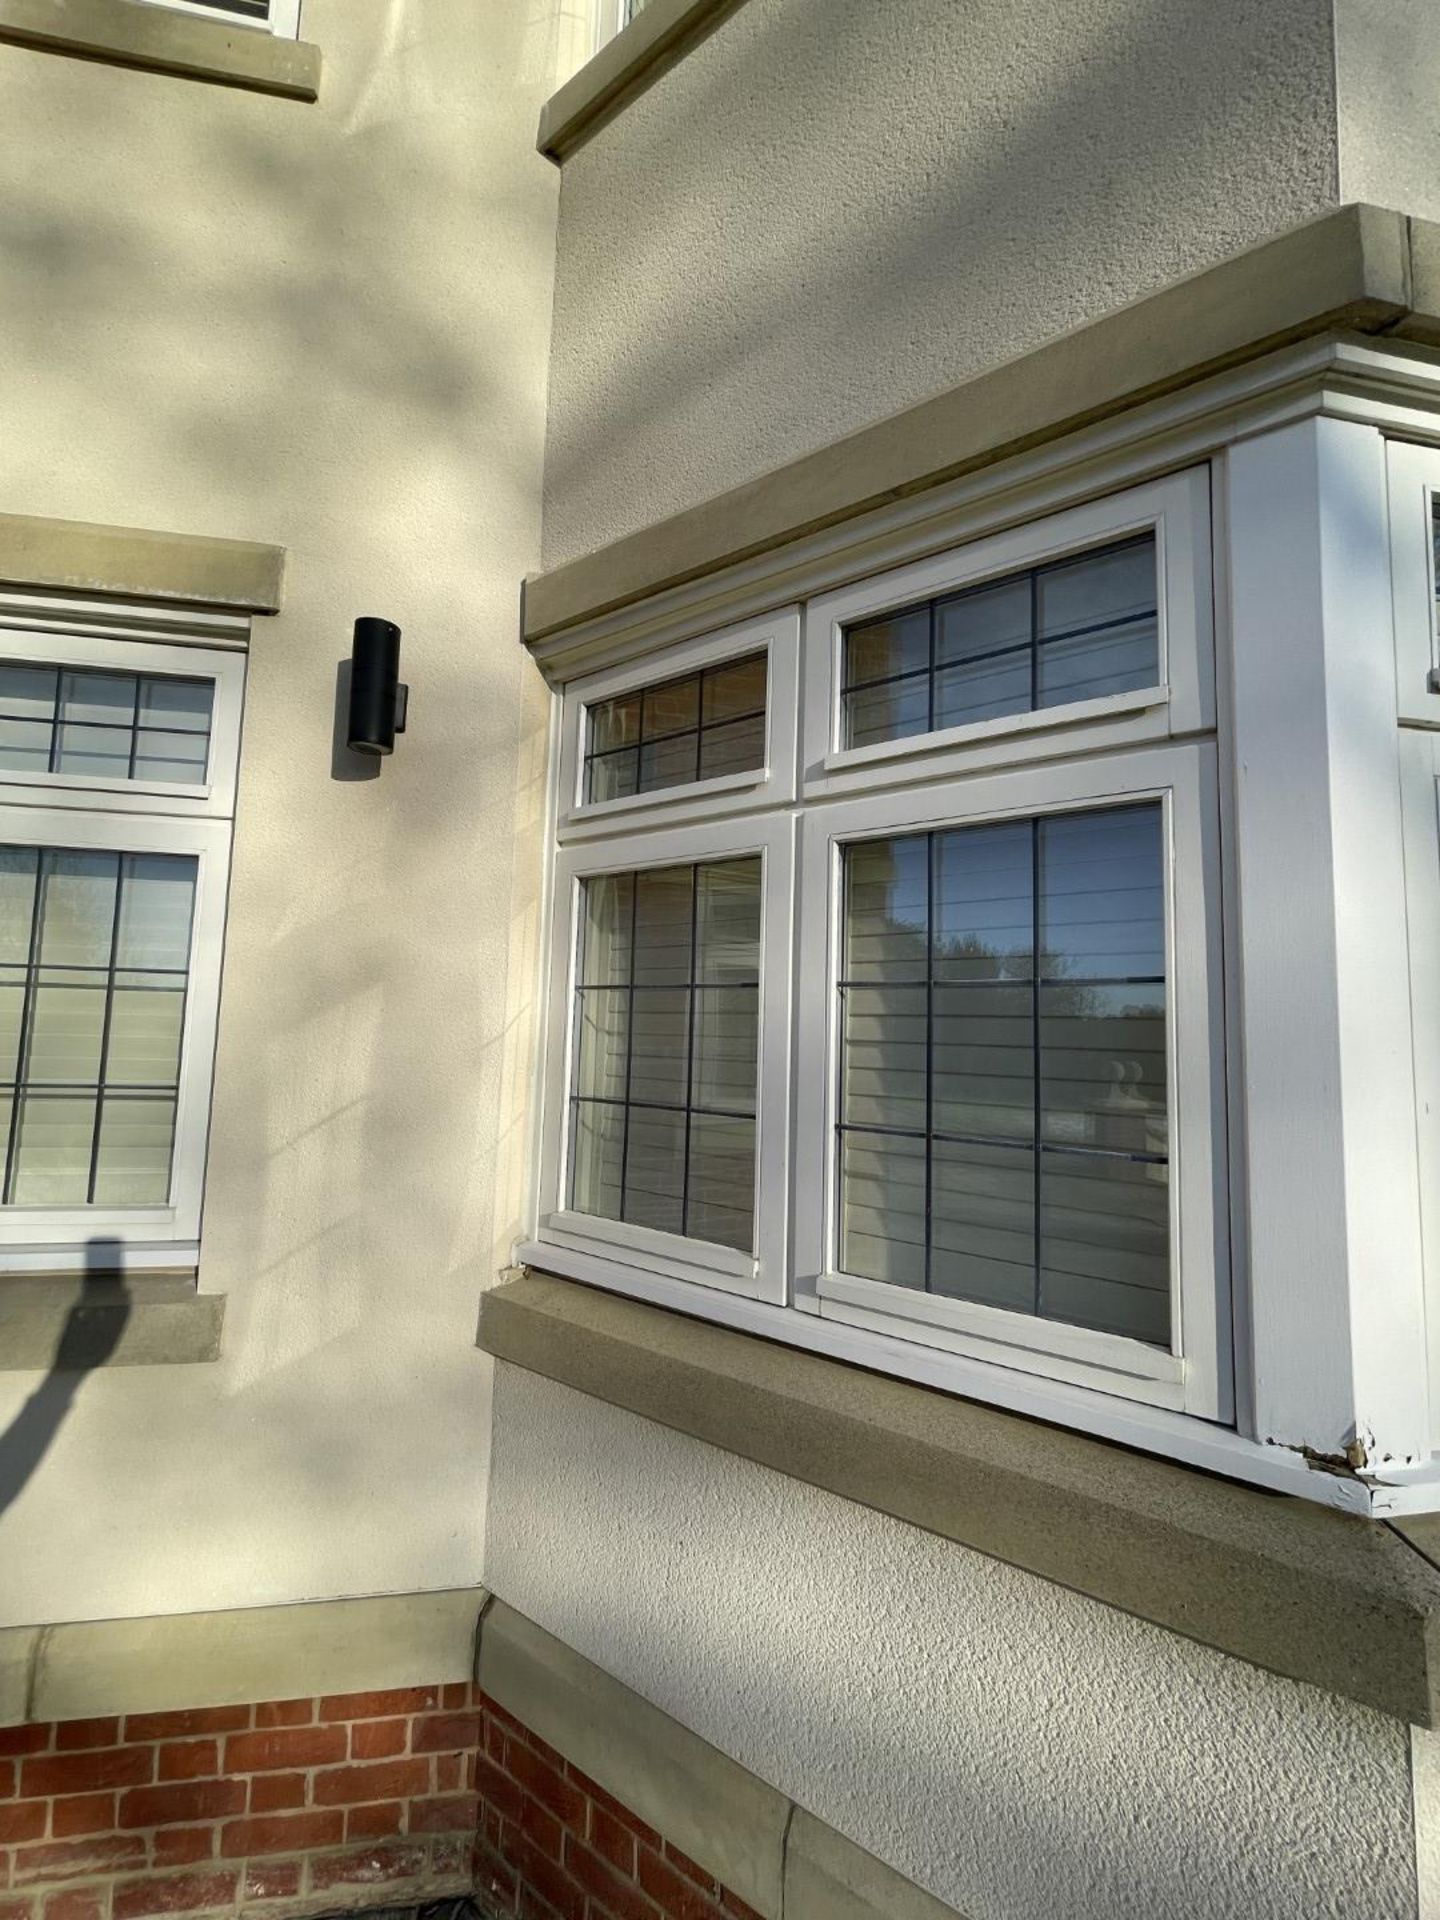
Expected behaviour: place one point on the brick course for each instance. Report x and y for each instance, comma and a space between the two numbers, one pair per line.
553, 1845
281, 1809
291, 1808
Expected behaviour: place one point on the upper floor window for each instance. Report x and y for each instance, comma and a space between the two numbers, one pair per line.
117, 781
609, 17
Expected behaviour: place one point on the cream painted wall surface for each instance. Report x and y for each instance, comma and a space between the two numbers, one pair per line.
323, 326
832, 209
1021, 1751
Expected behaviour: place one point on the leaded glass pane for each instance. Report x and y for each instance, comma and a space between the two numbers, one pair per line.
1074, 629
667, 1050
677, 731
94, 967
1004, 1083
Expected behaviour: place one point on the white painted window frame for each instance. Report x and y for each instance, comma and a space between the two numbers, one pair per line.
1413, 484
283, 19
609, 17
1194, 1376
760, 1276
771, 784
129, 816
1175, 509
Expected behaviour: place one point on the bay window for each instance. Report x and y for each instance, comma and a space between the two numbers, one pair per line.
915, 1031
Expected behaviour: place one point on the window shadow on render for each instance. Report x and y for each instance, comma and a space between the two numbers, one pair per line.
92, 1331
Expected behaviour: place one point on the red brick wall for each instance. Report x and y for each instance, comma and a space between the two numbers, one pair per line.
290, 1807
553, 1845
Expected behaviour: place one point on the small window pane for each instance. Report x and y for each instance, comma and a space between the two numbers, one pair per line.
673, 707
983, 1224
893, 710
27, 693
962, 1050
17, 899
735, 692
175, 757
102, 753
602, 1042
66, 1028
98, 699
1072, 630
615, 723
183, 705
986, 621
51, 1157
77, 909
132, 1164
883, 1208
145, 1027
677, 732
882, 649
720, 1194
25, 745
1105, 1230
597, 1159
667, 1050
655, 1170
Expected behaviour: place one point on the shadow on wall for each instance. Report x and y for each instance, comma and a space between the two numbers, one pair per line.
92, 1331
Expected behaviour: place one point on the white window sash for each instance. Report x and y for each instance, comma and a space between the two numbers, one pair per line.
37, 1238
1413, 480
1196, 1375
761, 1276
771, 784
215, 799
1176, 510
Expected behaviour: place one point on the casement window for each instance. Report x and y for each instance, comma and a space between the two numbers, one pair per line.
917, 1031
270, 16
117, 792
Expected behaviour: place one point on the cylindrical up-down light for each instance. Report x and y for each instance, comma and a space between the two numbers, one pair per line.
377, 698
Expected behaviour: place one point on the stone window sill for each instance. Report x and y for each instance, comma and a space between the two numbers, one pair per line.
656, 39
72, 1324
130, 33
1347, 1604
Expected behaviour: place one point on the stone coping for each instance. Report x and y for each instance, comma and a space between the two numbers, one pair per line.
68, 1323
778, 1857
1345, 1603
135, 563
1359, 269
166, 1662
131, 34
662, 33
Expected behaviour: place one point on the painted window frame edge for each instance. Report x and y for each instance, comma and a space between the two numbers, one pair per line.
607, 18
774, 783
1176, 509
125, 816
760, 1276
1412, 476
282, 19
1196, 1375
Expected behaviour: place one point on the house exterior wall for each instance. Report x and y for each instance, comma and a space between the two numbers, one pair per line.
1014, 1748
830, 210
322, 326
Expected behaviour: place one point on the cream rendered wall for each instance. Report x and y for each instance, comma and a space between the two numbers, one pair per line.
1019, 1750
832, 209
323, 326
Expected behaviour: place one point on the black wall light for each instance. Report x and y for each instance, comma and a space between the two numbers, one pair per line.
378, 698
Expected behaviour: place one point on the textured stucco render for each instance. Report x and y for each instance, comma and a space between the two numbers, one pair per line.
1020, 1751
830, 210
323, 327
